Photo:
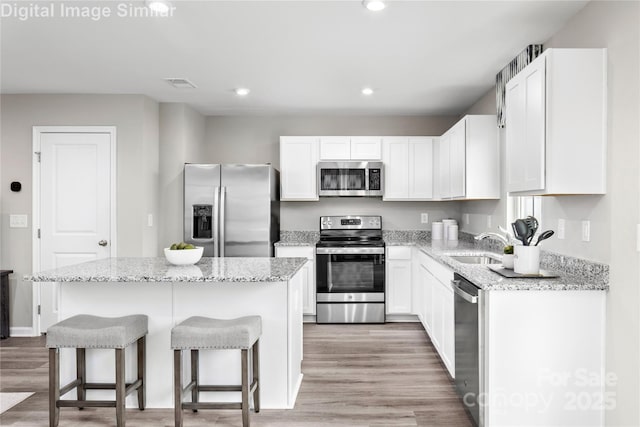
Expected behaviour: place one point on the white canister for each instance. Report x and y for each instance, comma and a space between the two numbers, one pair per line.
437, 230
452, 232
446, 223
526, 259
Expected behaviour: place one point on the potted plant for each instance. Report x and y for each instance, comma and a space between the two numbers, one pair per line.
507, 257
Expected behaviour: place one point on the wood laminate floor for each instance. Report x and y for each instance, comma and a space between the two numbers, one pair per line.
354, 375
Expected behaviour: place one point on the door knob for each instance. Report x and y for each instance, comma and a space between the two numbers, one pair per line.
102, 243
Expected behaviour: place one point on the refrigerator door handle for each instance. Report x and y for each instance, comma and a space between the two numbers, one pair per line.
223, 203
216, 221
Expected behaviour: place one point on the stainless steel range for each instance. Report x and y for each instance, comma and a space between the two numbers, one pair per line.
350, 270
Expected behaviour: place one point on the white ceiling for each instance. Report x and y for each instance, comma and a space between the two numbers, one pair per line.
297, 57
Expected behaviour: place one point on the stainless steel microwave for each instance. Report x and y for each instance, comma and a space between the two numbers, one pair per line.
350, 178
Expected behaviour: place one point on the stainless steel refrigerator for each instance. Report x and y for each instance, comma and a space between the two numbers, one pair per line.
232, 210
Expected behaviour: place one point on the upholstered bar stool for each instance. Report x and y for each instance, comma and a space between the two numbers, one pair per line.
85, 331
203, 333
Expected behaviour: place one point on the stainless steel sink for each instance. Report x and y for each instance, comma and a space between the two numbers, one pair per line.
475, 259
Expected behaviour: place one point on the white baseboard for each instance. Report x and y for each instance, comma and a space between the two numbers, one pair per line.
21, 331
402, 318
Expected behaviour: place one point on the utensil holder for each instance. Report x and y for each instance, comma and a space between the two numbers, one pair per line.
526, 259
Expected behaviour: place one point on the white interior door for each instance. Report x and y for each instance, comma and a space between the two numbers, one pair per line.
75, 217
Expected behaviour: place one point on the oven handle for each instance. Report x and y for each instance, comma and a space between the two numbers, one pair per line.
348, 251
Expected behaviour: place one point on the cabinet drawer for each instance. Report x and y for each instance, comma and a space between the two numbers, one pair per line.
399, 252
295, 252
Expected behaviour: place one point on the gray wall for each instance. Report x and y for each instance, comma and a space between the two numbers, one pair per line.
181, 141
256, 140
136, 119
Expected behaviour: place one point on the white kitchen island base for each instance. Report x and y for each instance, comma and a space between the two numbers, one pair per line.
278, 303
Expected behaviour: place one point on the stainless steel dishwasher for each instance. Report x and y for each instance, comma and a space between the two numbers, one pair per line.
467, 344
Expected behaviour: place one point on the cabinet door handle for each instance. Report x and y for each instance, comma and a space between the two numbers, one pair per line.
102, 243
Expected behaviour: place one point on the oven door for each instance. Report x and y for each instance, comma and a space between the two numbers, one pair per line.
341, 271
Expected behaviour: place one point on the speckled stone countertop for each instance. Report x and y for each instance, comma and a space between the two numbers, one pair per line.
298, 238
159, 270
590, 276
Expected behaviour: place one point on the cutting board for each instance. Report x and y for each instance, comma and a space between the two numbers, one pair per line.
544, 274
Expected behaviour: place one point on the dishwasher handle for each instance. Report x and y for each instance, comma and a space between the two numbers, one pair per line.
473, 299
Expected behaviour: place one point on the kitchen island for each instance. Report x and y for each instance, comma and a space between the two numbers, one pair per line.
214, 287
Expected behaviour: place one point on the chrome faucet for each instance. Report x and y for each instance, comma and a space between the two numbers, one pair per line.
495, 236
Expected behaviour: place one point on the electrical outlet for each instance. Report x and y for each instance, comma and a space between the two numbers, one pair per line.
586, 231
424, 218
560, 234
18, 221
149, 220
489, 225
466, 219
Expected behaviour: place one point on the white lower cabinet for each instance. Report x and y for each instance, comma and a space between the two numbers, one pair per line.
309, 276
436, 307
398, 280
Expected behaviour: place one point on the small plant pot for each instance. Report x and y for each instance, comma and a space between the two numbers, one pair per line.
526, 259
507, 261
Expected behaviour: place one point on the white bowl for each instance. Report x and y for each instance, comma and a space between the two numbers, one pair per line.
183, 256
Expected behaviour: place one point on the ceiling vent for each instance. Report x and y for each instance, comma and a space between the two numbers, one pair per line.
180, 83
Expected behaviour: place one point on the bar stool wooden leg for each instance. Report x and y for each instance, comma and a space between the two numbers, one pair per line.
177, 386
245, 388
120, 387
194, 376
54, 386
255, 356
81, 373
142, 349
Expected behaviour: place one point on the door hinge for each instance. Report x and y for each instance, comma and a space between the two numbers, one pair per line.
37, 153
38, 309
38, 233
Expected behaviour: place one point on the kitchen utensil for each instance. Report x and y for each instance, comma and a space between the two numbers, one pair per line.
532, 224
544, 236
521, 230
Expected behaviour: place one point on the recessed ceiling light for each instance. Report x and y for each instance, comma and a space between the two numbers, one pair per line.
367, 91
242, 91
180, 83
160, 6
374, 5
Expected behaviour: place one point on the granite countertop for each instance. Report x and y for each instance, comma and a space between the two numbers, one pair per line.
574, 275
298, 238
159, 270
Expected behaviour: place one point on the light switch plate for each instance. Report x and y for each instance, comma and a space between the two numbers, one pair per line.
561, 226
149, 220
586, 231
489, 222
424, 218
466, 219
18, 221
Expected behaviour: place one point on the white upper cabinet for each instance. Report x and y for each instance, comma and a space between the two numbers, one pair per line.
298, 160
350, 148
366, 148
420, 168
468, 160
457, 160
335, 148
408, 163
556, 124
